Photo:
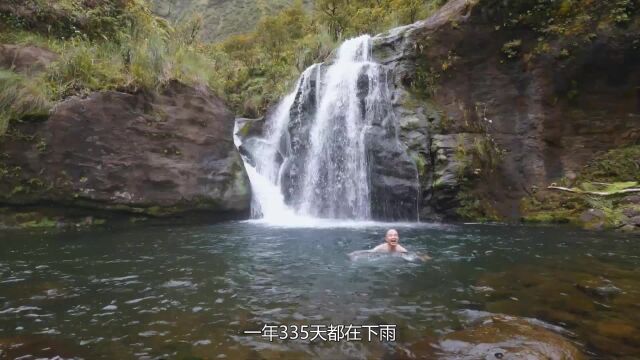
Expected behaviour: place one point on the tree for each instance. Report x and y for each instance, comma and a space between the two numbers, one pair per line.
333, 14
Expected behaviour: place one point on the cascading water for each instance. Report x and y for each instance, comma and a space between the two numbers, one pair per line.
314, 158
335, 182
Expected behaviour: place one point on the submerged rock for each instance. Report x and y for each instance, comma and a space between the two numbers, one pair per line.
488, 336
507, 337
602, 289
596, 300
39, 347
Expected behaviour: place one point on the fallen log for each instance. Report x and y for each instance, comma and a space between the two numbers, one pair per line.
599, 193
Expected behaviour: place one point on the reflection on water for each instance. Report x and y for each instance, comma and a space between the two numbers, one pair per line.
191, 292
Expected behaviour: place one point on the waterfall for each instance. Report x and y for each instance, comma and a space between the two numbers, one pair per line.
335, 180
314, 159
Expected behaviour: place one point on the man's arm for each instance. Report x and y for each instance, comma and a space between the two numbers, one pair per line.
424, 257
355, 254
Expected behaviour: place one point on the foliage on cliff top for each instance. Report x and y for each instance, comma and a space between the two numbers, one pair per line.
561, 17
572, 22
112, 20
223, 18
122, 45
114, 44
257, 68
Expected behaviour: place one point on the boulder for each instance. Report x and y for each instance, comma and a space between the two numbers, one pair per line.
635, 221
152, 153
633, 200
25, 59
631, 212
593, 219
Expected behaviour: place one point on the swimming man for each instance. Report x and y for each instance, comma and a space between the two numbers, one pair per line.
391, 243
390, 246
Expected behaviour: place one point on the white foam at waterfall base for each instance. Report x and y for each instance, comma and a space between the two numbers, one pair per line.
270, 200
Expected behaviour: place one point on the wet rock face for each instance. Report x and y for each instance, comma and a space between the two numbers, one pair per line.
158, 154
392, 173
393, 177
546, 115
249, 127
508, 338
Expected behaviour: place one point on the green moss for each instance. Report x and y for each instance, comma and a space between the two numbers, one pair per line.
462, 158
609, 188
554, 208
19, 189
138, 219
421, 164
425, 81
609, 173
475, 208
556, 217
41, 146
160, 211
617, 165
40, 223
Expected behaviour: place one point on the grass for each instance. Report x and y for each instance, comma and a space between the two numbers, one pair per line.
613, 214
121, 45
86, 66
141, 53
22, 97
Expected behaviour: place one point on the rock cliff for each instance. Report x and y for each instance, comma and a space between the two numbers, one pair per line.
495, 104
154, 154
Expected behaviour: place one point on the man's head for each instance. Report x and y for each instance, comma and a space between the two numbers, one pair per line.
392, 238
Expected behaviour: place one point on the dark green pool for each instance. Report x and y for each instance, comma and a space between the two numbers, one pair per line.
191, 292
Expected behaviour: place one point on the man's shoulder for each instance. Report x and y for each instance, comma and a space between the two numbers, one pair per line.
381, 247
402, 249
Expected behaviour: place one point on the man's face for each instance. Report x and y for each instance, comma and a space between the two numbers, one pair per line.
392, 238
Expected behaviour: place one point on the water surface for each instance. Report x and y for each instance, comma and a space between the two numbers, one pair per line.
192, 291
